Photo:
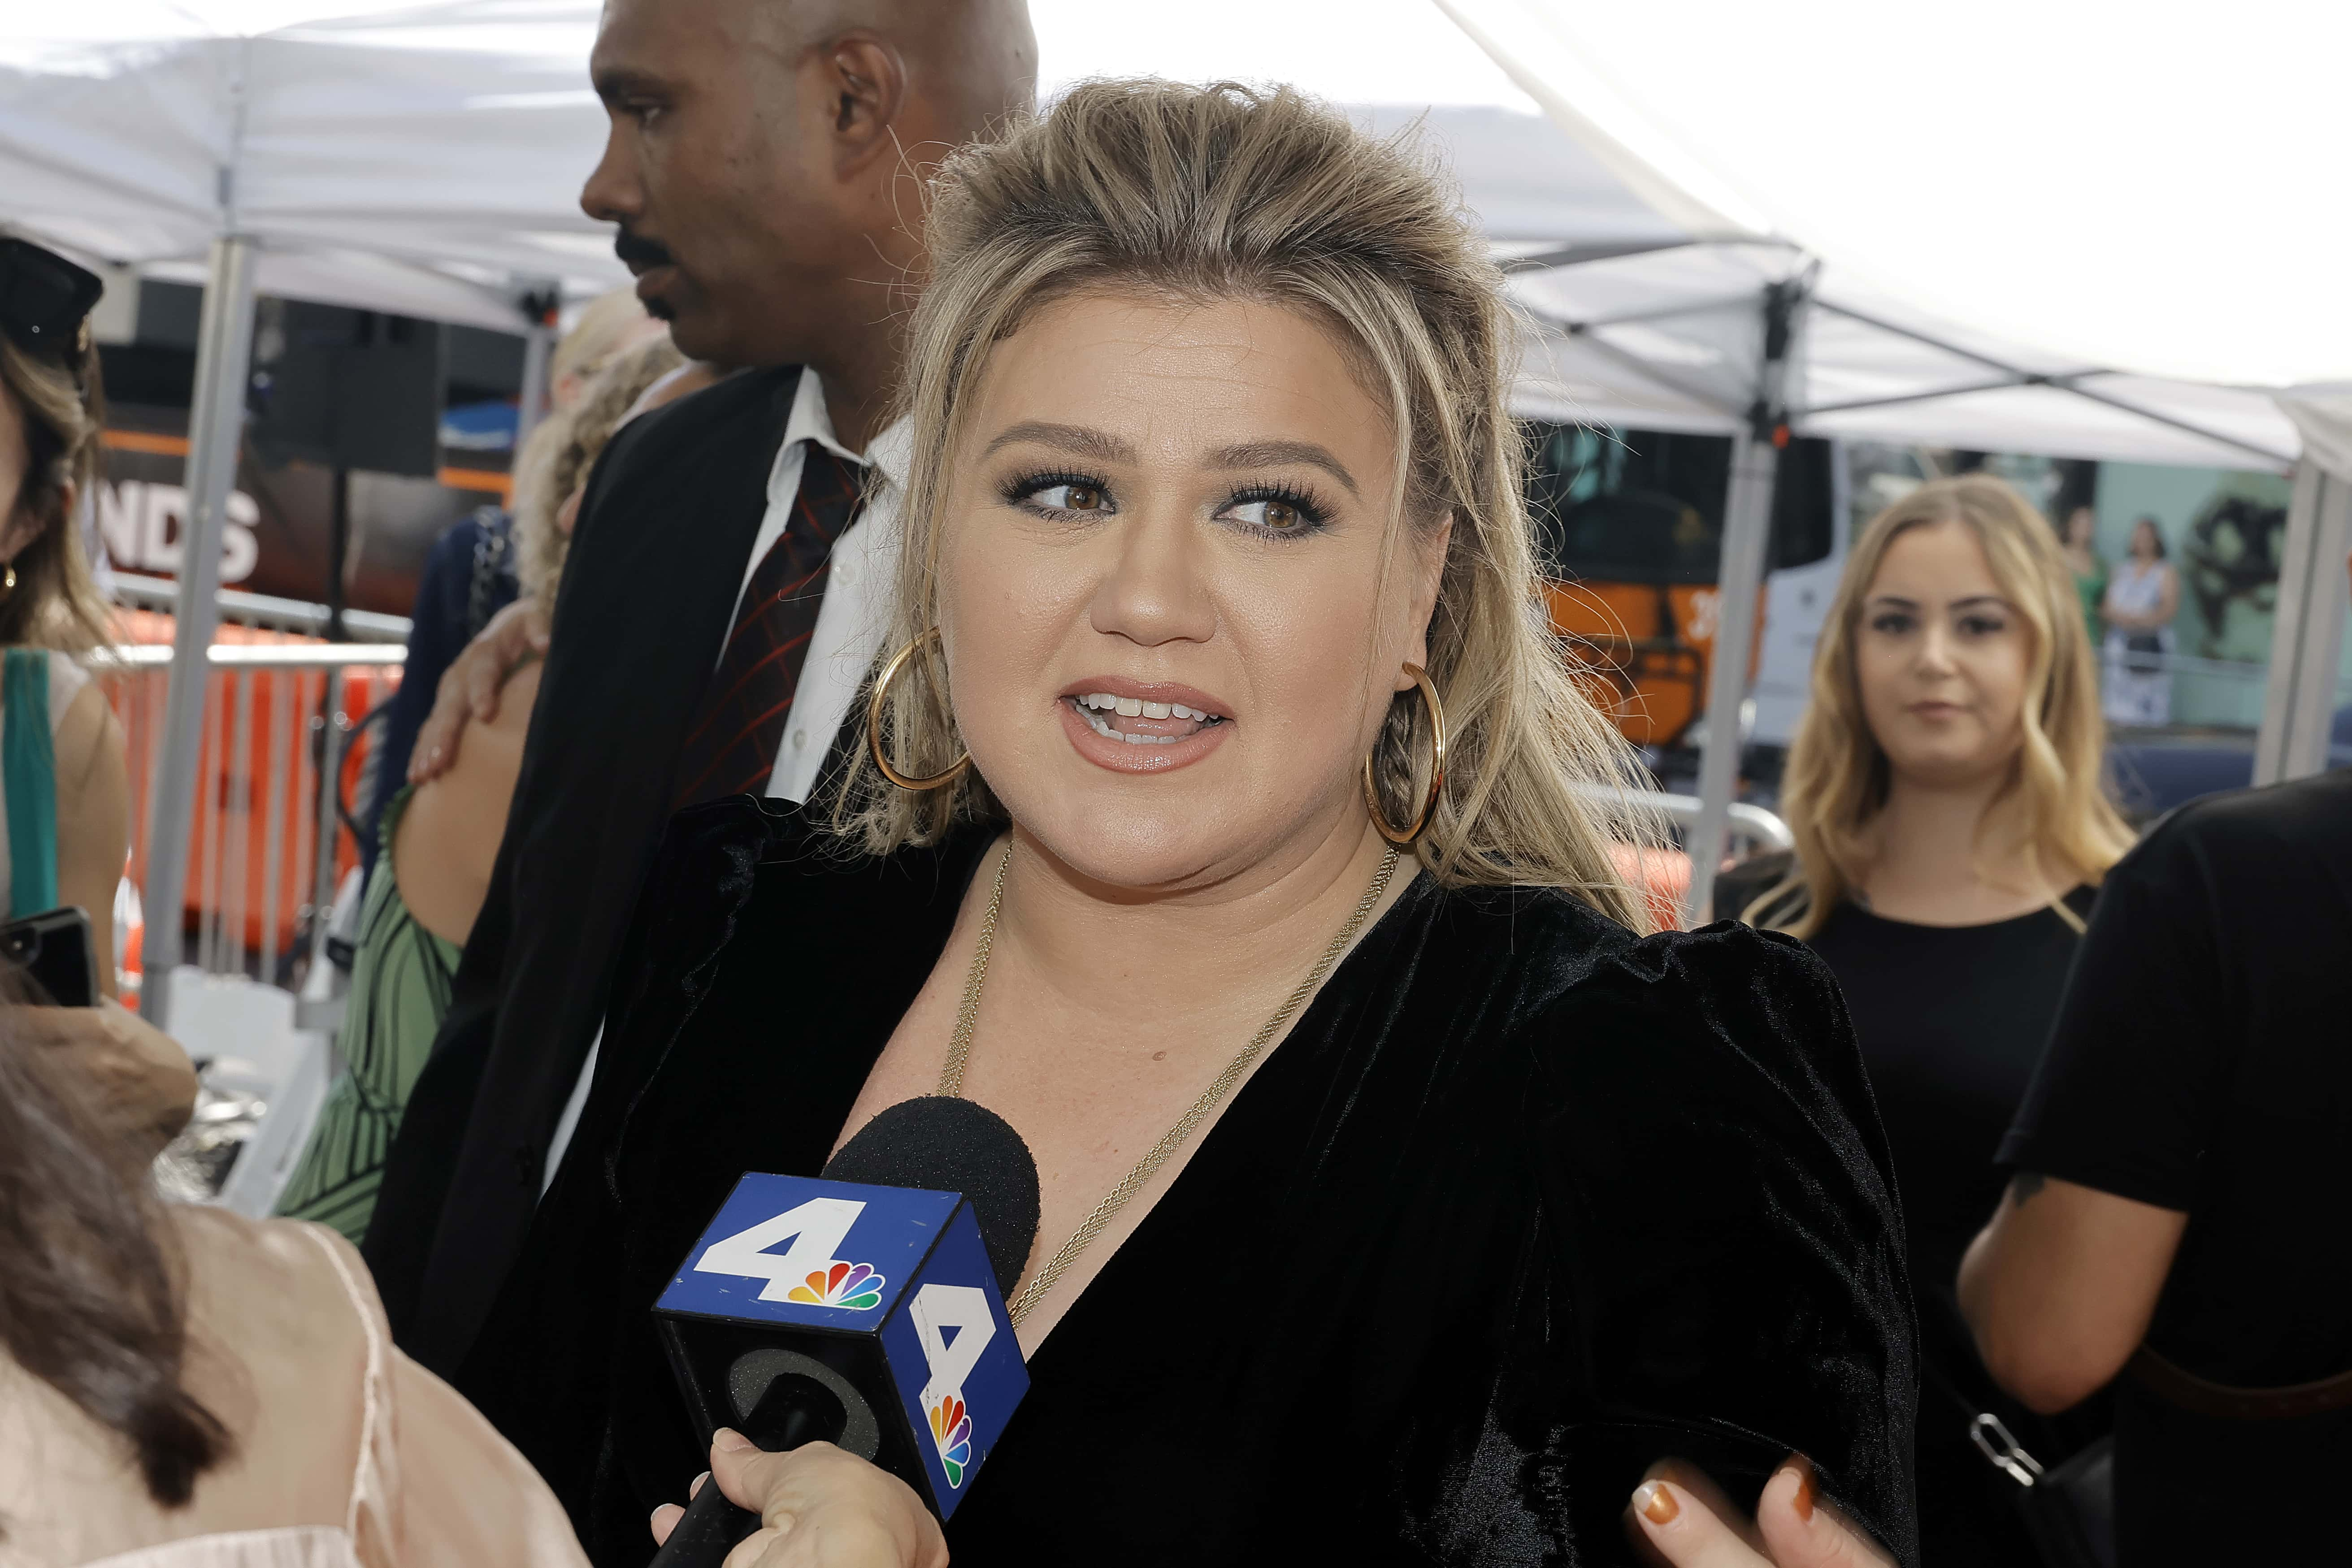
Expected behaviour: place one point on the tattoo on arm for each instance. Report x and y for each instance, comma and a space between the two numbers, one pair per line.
2024, 1186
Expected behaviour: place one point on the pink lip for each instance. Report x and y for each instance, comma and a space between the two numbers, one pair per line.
1937, 710
1118, 755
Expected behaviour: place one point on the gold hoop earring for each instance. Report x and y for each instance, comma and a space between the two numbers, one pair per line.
8, 584
1436, 767
873, 705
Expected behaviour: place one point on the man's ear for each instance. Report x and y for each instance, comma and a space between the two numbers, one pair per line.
1430, 553
866, 89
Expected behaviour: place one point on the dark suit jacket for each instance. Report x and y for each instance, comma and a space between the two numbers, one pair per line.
672, 509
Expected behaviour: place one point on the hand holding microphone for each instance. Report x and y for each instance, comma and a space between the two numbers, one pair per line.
864, 1311
818, 1507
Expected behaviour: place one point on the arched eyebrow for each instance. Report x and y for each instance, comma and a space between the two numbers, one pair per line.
1086, 442
1281, 453
1077, 438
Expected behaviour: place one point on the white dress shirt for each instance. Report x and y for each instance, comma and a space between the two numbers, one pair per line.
850, 623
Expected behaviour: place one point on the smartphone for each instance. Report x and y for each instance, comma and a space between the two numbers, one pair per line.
53, 950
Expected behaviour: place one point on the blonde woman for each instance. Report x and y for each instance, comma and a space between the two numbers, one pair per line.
439, 839
1449, 1201
1944, 790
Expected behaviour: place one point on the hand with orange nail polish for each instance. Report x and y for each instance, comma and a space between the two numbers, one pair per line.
1678, 1516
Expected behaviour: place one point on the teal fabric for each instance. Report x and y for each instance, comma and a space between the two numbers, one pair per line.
28, 775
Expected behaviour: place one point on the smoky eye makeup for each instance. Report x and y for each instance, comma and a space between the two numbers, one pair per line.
1277, 511
1059, 492
1269, 510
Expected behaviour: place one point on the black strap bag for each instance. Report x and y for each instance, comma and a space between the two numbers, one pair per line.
2068, 1510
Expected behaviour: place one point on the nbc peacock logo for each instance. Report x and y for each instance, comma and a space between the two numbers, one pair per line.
951, 1430
852, 1287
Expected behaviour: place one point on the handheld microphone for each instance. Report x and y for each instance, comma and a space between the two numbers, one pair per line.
865, 1308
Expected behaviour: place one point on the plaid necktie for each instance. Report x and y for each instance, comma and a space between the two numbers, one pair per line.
731, 749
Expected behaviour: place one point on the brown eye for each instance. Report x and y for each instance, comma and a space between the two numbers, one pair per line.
1271, 515
1084, 498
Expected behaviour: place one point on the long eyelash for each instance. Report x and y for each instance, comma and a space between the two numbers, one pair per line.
1020, 487
1315, 510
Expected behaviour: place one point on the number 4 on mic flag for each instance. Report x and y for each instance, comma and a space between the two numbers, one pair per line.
879, 1303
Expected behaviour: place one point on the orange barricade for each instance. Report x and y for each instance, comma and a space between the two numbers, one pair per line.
253, 847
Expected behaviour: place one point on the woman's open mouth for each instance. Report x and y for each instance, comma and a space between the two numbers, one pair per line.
1134, 722
1141, 726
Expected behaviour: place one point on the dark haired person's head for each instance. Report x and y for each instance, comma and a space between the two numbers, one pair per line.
50, 411
766, 156
90, 1297
2146, 541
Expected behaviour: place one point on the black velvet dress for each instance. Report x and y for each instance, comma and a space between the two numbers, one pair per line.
1520, 1205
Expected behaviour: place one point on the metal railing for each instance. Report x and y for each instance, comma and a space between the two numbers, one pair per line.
263, 610
276, 759
1758, 827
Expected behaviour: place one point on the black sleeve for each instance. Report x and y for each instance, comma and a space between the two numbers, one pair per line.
1731, 1250
2124, 1098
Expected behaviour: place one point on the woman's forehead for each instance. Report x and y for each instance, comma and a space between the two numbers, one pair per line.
1935, 562
1170, 380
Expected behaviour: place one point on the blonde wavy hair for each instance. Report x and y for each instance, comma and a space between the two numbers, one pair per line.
56, 603
1219, 192
1837, 778
560, 454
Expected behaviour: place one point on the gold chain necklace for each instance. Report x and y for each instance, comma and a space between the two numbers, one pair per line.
960, 1050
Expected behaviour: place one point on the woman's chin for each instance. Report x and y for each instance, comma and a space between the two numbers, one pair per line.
1120, 843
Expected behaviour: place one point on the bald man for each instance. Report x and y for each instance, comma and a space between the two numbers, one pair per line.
714, 620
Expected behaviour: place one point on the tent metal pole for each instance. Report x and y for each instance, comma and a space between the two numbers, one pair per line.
215, 428
1746, 529
2004, 384
1648, 371
2307, 632
2066, 381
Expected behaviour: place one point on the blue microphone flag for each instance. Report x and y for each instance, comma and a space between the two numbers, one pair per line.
899, 1267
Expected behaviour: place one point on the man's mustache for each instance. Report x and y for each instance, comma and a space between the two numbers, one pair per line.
633, 248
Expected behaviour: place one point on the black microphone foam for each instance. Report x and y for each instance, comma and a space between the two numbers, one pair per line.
946, 1144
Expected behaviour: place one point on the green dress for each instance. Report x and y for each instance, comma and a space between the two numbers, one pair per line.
400, 990
2093, 588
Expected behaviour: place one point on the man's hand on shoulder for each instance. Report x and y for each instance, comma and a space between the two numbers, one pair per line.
470, 685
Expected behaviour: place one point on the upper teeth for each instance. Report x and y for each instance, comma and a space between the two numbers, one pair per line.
1135, 708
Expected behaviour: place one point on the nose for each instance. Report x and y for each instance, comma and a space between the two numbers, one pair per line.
1936, 650
614, 194
1154, 592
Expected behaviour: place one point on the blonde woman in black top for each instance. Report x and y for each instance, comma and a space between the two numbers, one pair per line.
1945, 791
1444, 1198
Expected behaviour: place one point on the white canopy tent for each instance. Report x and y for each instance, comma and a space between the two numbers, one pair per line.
428, 159
425, 160
1989, 189
1787, 215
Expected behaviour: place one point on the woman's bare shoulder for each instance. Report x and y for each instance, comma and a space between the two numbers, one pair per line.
88, 737
446, 842
490, 754
276, 1287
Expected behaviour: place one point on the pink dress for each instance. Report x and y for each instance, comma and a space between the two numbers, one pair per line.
348, 1454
